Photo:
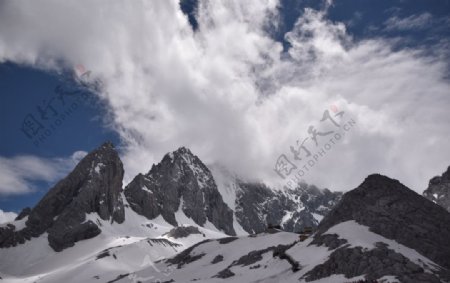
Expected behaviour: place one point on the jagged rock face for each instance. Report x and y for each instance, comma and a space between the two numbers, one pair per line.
375, 263
395, 212
180, 181
438, 190
94, 186
257, 206
251, 208
24, 213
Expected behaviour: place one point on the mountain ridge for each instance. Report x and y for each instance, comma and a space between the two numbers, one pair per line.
180, 181
93, 186
438, 190
181, 215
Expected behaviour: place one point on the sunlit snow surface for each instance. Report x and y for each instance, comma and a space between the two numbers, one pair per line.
137, 251
132, 246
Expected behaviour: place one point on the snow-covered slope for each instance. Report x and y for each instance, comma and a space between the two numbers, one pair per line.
342, 250
119, 249
281, 257
173, 225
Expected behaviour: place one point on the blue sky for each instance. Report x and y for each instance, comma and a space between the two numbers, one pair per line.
24, 89
147, 112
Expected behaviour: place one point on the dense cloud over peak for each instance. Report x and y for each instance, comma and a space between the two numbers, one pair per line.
230, 93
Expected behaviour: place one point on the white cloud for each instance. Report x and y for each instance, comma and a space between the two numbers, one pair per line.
7, 216
18, 173
413, 22
229, 93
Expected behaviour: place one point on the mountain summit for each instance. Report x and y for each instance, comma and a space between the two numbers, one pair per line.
438, 190
393, 211
180, 186
94, 186
180, 216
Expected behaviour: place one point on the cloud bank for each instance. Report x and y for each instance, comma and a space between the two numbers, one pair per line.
7, 216
412, 22
18, 174
230, 93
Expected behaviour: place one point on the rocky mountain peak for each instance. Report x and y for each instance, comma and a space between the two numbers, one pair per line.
179, 162
394, 211
94, 186
438, 190
183, 151
180, 183
182, 154
107, 145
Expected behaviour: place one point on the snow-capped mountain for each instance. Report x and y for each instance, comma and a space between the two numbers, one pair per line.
438, 190
182, 187
178, 223
379, 231
94, 186
90, 218
85, 230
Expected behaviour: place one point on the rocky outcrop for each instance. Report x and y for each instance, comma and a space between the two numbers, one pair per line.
258, 206
180, 182
24, 213
94, 186
395, 212
438, 190
374, 264
183, 232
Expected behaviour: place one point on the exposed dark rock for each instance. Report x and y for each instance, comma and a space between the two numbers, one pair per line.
180, 181
24, 213
217, 259
392, 210
374, 264
252, 257
250, 206
256, 266
94, 186
438, 190
277, 251
227, 240
103, 254
258, 206
163, 242
182, 231
280, 251
332, 241
64, 236
185, 256
226, 273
